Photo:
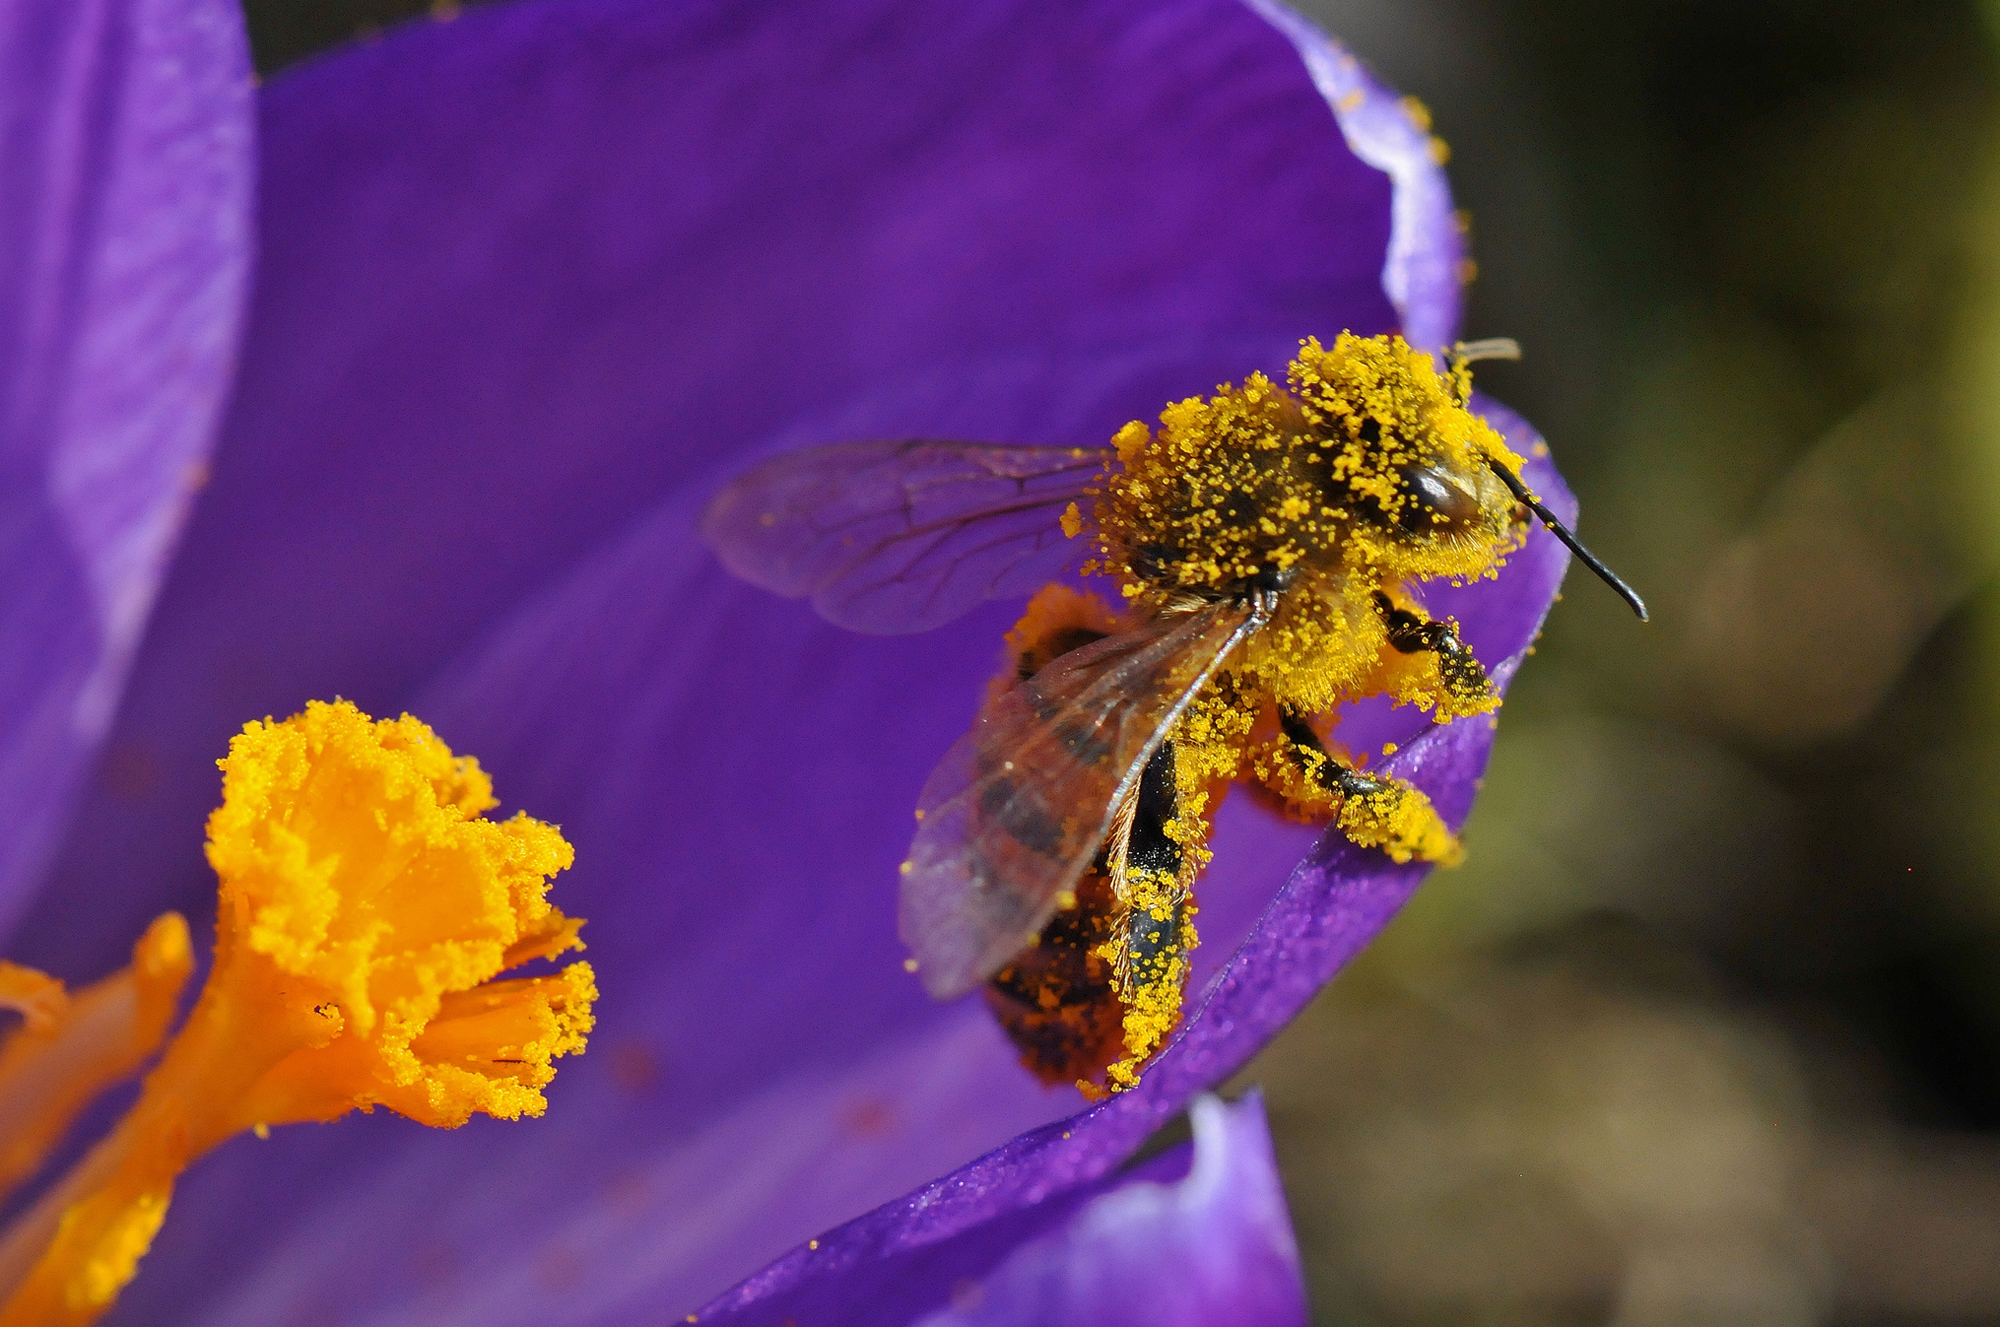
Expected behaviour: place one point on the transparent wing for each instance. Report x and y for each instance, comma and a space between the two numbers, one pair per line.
1015, 811
892, 537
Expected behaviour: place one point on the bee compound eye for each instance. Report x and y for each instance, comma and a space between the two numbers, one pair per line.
1434, 501
1154, 561
1275, 580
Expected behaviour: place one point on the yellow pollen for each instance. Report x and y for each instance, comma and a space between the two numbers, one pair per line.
1263, 476
1314, 477
367, 907
1315, 507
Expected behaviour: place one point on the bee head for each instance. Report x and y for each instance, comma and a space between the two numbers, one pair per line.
1405, 459
1410, 481
1365, 456
1435, 500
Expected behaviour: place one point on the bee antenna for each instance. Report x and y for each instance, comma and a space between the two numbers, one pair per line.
1493, 347
1471, 352
1562, 532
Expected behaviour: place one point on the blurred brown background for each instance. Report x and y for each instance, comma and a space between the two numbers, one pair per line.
1708, 1028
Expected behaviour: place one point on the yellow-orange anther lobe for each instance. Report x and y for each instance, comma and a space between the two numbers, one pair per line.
366, 907
72, 1047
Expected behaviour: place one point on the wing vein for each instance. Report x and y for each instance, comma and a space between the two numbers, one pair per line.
900, 536
1019, 807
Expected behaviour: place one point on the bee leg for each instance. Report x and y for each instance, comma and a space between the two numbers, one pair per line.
1152, 846
1373, 810
1156, 932
1464, 677
1339, 781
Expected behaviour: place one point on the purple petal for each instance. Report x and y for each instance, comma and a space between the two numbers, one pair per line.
533, 284
124, 247
524, 274
1332, 905
1211, 1250
802, 1075
1423, 270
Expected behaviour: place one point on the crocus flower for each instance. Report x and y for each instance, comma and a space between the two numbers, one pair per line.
530, 285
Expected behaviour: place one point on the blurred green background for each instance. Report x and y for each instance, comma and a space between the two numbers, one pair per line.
1707, 1030
1708, 1027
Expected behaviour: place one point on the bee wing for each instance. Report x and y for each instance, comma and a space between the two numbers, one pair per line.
1016, 810
891, 537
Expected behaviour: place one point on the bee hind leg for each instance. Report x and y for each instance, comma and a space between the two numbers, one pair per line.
1373, 810
1467, 689
1156, 935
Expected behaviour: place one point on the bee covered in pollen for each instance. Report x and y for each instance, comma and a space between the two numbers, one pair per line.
1263, 543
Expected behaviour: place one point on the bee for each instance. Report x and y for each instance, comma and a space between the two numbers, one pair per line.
1263, 543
